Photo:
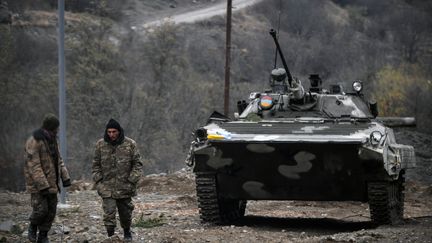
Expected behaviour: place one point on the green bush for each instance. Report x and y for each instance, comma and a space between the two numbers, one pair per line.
142, 222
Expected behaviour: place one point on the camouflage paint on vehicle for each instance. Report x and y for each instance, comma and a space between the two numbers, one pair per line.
331, 158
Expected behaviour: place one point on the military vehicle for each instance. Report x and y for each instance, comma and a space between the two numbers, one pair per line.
287, 143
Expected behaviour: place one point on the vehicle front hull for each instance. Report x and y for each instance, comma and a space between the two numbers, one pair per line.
289, 171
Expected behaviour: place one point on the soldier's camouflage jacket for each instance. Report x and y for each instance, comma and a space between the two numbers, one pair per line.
116, 169
39, 169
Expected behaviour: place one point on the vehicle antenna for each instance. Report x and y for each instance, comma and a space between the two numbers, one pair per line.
278, 30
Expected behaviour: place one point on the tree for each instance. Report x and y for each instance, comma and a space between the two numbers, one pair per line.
404, 91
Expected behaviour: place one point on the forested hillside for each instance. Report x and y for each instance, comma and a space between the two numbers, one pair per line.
162, 82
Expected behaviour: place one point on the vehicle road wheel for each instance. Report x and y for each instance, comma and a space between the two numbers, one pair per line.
232, 210
386, 201
213, 209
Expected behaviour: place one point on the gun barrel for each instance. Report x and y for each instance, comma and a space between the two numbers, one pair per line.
273, 34
398, 121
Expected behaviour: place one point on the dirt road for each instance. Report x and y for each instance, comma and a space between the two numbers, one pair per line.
201, 14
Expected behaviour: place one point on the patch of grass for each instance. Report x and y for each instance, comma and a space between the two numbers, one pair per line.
142, 222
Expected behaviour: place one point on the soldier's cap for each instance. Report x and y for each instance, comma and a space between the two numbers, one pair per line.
50, 122
113, 124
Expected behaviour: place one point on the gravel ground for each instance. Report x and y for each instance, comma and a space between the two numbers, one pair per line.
266, 221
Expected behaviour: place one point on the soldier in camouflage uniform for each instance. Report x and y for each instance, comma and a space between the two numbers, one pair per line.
116, 170
43, 169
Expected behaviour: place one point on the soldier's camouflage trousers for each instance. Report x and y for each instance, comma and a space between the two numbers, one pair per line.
125, 208
44, 210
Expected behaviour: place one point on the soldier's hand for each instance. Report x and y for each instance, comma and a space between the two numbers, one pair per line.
67, 183
44, 192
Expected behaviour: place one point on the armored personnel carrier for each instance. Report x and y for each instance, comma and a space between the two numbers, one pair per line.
288, 143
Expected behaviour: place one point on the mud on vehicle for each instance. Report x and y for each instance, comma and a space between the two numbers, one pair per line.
288, 143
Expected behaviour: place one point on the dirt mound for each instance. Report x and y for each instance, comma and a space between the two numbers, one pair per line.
180, 182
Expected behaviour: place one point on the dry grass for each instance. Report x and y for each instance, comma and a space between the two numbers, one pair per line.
35, 18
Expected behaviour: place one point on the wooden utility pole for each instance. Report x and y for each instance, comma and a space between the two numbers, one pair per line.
227, 57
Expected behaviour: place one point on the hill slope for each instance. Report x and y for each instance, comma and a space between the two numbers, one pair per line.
162, 83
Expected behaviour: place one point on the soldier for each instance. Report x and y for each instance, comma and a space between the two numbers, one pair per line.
43, 169
116, 170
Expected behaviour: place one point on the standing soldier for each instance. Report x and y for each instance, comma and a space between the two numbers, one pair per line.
116, 170
43, 169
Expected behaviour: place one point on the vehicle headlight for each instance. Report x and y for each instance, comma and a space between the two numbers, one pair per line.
375, 138
201, 134
357, 86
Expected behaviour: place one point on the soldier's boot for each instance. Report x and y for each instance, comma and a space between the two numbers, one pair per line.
127, 234
110, 230
32, 231
43, 237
